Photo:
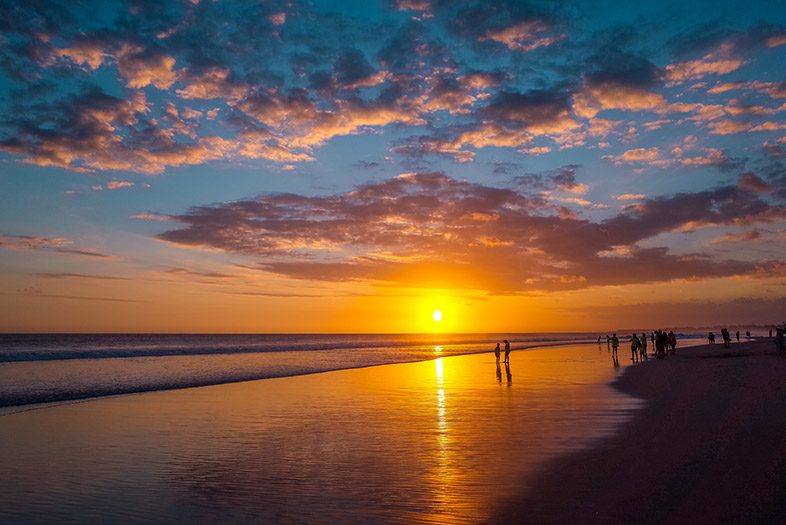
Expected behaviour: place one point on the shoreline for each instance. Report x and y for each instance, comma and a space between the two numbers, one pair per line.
709, 446
7, 408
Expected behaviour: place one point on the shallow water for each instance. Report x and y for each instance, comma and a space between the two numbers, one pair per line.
437, 441
42, 368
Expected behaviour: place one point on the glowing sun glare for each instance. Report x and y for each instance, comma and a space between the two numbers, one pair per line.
437, 316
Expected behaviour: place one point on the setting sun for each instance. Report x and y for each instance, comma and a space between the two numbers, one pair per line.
437, 316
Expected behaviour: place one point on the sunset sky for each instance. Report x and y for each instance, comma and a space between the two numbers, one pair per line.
352, 166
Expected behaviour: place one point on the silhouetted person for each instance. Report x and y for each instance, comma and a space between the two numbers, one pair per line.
615, 344
598, 339
508, 375
738, 336
507, 350
660, 344
748, 334
780, 339
496, 353
672, 339
634, 348
643, 346
711, 338
726, 337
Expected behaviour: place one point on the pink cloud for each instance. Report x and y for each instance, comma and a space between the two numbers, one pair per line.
413, 5
278, 19
630, 197
648, 156
118, 184
27, 242
751, 182
524, 36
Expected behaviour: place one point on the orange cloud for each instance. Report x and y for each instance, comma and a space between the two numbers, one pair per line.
630, 197
90, 54
278, 19
595, 97
141, 69
717, 63
772, 89
775, 41
729, 127
524, 36
213, 83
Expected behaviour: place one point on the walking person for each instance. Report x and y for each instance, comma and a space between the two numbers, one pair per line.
615, 344
496, 352
507, 350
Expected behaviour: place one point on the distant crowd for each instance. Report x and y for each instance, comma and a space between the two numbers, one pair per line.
662, 342
665, 343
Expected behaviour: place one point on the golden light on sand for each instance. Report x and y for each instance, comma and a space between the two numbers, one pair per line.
436, 315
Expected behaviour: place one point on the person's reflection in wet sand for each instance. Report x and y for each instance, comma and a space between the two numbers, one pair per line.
499, 373
615, 360
508, 374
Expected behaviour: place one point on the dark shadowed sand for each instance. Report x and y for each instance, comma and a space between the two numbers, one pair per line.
709, 447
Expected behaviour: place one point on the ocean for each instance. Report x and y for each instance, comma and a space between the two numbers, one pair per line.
47, 368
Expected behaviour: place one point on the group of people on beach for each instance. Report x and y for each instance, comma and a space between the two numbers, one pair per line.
726, 336
662, 342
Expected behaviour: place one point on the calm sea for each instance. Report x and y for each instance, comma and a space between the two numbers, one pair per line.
46, 368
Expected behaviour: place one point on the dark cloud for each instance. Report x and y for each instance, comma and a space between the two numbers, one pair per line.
428, 229
750, 181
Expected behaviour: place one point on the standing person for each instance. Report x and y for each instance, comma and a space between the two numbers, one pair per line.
660, 344
711, 338
507, 350
634, 348
615, 344
496, 352
643, 346
780, 340
738, 336
672, 342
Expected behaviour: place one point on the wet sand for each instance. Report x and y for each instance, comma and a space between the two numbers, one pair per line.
708, 447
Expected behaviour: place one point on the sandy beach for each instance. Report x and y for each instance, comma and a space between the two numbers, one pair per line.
709, 447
